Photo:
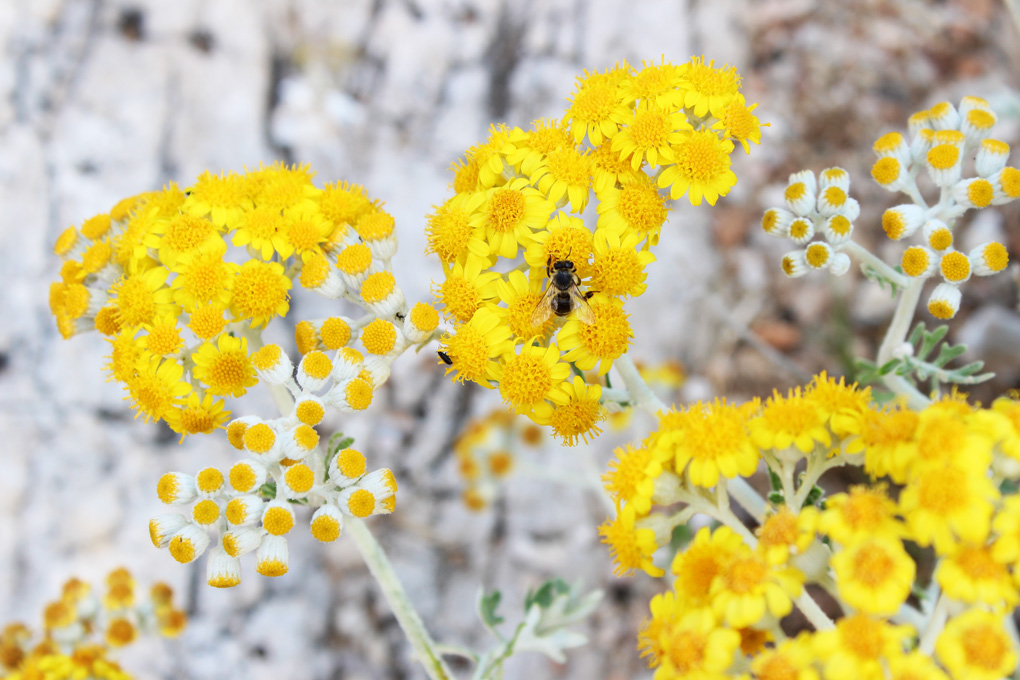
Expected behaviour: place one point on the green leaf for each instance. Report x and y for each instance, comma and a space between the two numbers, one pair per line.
775, 480
268, 490
916, 333
546, 593
887, 367
776, 498
487, 609
338, 442
813, 496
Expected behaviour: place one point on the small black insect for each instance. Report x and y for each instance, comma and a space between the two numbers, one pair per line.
562, 296
446, 358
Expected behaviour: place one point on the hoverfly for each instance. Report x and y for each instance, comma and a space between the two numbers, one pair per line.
562, 296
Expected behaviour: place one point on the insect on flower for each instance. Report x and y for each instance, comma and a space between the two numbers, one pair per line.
562, 296
446, 358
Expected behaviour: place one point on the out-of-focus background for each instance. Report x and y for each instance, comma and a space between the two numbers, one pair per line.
101, 99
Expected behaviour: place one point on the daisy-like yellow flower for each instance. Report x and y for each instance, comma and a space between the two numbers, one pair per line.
489, 157
701, 168
204, 277
704, 560
565, 176
305, 230
260, 292
630, 546
179, 235
651, 639
708, 89
738, 122
509, 215
945, 503
141, 297
521, 298
163, 336
631, 477
156, 386
789, 660
710, 440
578, 417
449, 232
858, 646
618, 267
198, 415
262, 229
596, 108
636, 206
874, 576
600, 343
970, 573
748, 587
888, 440
565, 238
648, 133
696, 646
474, 346
530, 377
344, 204
529, 148
279, 187
225, 367
844, 405
465, 288
974, 645
790, 424
223, 198
864, 512
1006, 525
785, 533
654, 84
947, 433
608, 168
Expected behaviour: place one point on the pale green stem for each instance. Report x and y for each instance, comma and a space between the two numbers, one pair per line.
935, 625
747, 498
637, 386
873, 261
379, 565
895, 336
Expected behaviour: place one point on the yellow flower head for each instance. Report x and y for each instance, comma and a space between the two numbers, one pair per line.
861, 513
708, 89
701, 168
791, 424
858, 647
597, 108
697, 566
509, 215
631, 547
747, 588
631, 477
599, 343
578, 417
225, 367
531, 377
786, 533
475, 345
708, 441
875, 575
975, 645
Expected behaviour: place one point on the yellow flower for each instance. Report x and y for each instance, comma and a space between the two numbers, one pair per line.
509, 215
874, 576
262, 229
655, 84
449, 232
182, 234
204, 277
708, 89
651, 638
162, 336
474, 346
1006, 525
697, 566
971, 573
631, 477
260, 292
529, 148
224, 198
617, 268
696, 646
608, 169
578, 417
521, 297
636, 206
861, 513
198, 415
631, 547
947, 433
565, 174
748, 587
465, 288
489, 157
785, 533
943, 503
344, 204
975, 646
225, 366
279, 187
858, 646
596, 108
648, 133
156, 387
709, 440
739, 122
789, 660
141, 297
790, 422
701, 168
599, 343
914, 666
844, 405
888, 440
566, 238
531, 376
305, 229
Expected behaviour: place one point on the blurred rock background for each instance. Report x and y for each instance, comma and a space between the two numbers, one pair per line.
100, 99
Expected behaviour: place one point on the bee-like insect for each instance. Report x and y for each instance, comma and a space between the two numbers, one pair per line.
446, 358
562, 296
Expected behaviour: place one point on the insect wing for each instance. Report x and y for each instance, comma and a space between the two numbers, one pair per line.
581, 307
543, 310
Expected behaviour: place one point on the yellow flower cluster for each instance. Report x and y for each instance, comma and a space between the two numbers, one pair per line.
83, 627
634, 137
731, 588
156, 275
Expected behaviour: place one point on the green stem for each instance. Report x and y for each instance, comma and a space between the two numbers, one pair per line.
637, 386
895, 336
407, 616
880, 267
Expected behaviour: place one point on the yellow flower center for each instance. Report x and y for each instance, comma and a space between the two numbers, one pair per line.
235, 434
872, 566
795, 192
185, 232
197, 420
359, 394
885, 171
135, 302
354, 259
739, 120
465, 177
377, 287
577, 418
980, 192
839, 225
351, 463
304, 234
95, 227
237, 511
267, 357
978, 118
317, 365
642, 206
985, 647
943, 156
361, 503
344, 203
470, 353
977, 563
205, 512
995, 257
96, 257
168, 488
277, 521
570, 166
817, 254
776, 667
325, 528
242, 477
182, 549
835, 196
708, 80
779, 529
300, 477
460, 298
228, 372
259, 438
379, 337
527, 379
915, 261
745, 574
617, 271
893, 224
940, 239
940, 491
164, 339
310, 412
800, 228
209, 480
448, 232
955, 267
260, 290
315, 271
594, 103
506, 209
686, 650
862, 636
650, 129
424, 317
335, 333
702, 156
610, 335
375, 226
1010, 182
207, 322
